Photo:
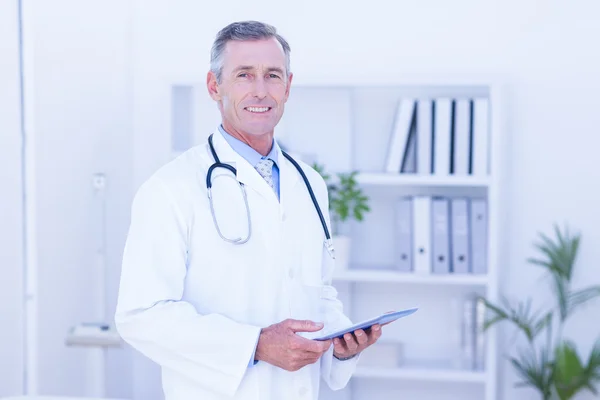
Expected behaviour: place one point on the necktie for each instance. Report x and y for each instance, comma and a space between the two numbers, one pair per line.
265, 169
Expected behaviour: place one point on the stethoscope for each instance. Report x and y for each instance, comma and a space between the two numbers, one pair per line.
239, 240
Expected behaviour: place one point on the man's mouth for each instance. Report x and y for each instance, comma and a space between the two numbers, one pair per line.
258, 110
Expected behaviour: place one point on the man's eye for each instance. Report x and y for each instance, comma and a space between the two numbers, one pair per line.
274, 76
243, 75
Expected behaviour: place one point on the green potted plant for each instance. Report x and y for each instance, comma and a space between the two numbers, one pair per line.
552, 366
346, 201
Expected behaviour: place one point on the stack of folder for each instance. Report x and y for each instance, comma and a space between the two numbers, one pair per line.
440, 136
441, 235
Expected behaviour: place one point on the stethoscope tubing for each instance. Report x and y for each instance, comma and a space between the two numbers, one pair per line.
219, 164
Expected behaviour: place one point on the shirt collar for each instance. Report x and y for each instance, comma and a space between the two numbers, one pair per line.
247, 152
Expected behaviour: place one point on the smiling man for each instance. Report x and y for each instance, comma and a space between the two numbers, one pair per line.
250, 80
229, 300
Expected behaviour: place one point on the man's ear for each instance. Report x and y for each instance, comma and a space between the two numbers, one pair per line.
212, 86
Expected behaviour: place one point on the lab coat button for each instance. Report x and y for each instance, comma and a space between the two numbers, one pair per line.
302, 391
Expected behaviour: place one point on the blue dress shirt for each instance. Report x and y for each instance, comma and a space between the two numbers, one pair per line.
253, 156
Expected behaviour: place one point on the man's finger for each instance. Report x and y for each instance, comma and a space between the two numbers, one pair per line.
361, 336
313, 346
311, 358
375, 333
339, 346
324, 344
304, 325
351, 343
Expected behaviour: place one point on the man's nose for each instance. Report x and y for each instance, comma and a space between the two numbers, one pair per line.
260, 88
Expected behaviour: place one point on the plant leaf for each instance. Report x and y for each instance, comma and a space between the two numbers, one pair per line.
582, 296
550, 250
562, 296
534, 372
544, 322
593, 364
569, 373
560, 254
531, 324
559, 261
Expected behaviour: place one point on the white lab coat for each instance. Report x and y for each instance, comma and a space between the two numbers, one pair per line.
195, 304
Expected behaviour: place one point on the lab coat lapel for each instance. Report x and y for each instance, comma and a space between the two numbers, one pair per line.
289, 176
246, 173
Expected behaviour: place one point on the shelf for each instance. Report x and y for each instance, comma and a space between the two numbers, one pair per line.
421, 374
391, 179
373, 275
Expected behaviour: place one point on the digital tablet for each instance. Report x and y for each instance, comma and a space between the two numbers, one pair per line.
382, 319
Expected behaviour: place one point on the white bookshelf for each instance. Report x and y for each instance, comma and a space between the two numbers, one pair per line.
383, 276
405, 180
346, 127
431, 375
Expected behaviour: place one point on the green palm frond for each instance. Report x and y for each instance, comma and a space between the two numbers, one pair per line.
530, 323
557, 371
533, 371
561, 291
581, 297
559, 260
560, 254
593, 366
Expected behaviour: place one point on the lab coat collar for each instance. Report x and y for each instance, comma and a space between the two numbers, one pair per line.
247, 174
248, 152
288, 175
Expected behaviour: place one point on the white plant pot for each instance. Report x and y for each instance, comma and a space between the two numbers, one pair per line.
341, 245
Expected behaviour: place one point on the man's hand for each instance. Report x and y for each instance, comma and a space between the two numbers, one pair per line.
279, 345
354, 343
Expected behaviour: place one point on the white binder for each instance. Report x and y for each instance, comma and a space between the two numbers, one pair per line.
481, 121
441, 235
442, 136
404, 230
409, 163
469, 340
480, 359
462, 137
400, 135
479, 224
422, 234
460, 235
424, 132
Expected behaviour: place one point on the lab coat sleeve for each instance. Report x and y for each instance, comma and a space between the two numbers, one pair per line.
211, 350
336, 373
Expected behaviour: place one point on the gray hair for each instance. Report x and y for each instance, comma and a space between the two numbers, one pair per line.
244, 30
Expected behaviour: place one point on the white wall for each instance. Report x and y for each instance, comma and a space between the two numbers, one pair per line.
83, 126
11, 214
543, 50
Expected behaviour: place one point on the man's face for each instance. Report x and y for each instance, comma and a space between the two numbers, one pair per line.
254, 86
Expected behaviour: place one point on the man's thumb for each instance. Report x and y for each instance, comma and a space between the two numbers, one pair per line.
305, 326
